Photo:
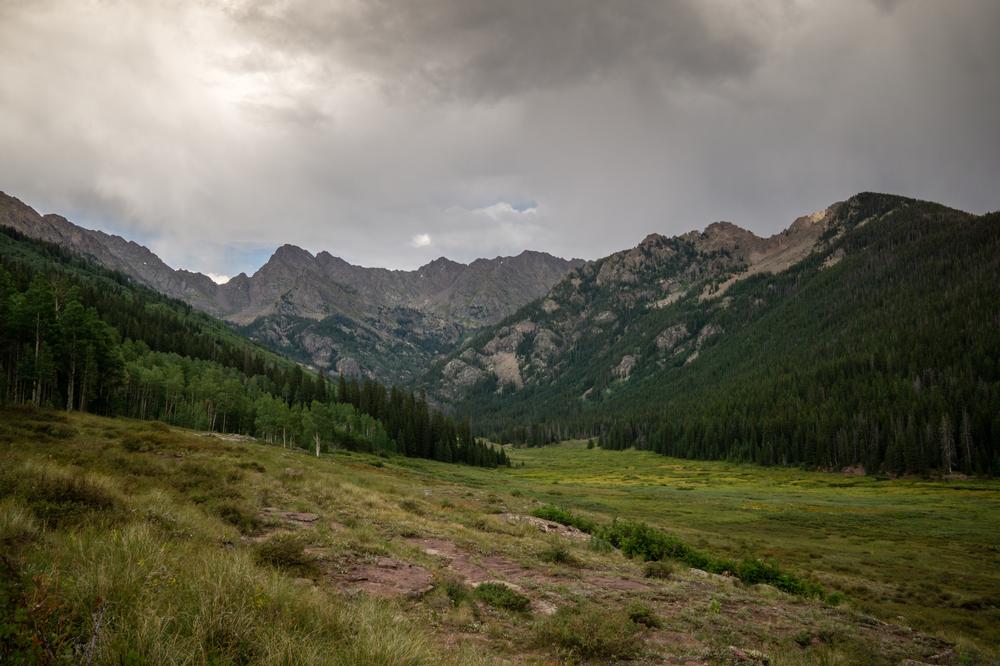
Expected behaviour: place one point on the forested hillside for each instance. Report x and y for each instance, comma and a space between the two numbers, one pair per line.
881, 347
79, 337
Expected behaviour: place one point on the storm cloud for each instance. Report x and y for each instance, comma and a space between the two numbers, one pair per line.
393, 133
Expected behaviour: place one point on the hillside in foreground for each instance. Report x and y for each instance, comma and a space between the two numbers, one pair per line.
359, 559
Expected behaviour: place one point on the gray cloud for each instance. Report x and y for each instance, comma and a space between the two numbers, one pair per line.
488, 50
488, 128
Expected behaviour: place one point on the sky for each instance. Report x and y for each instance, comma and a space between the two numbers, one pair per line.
392, 133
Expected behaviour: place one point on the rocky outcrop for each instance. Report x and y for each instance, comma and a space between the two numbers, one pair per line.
636, 312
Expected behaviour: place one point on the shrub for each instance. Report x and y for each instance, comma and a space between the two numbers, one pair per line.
134, 444
588, 631
61, 498
599, 545
658, 570
499, 595
754, 572
558, 553
457, 591
283, 551
17, 525
239, 516
644, 615
564, 517
412, 506
653, 545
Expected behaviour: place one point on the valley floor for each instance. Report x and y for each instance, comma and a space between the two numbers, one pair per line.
132, 542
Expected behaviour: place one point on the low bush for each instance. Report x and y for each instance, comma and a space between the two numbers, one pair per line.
590, 632
457, 591
564, 517
239, 516
599, 545
283, 551
754, 572
558, 553
499, 595
642, 614
61, 497
653, 545
412, 506
658, 569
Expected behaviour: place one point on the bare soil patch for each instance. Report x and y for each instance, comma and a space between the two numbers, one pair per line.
385, 577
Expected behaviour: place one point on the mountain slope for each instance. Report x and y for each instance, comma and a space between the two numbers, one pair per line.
320, 309
875, 342
77, 336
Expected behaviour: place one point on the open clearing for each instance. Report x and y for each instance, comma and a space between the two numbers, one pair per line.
924, 551
132, 542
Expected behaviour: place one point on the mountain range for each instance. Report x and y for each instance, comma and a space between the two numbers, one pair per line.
864, 333
321, 310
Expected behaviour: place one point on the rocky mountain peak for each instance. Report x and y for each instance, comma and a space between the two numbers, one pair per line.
288, 252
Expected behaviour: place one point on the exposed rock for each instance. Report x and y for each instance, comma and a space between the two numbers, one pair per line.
459, 373
548, 526
505, 366
546, 344
707, 332
670, 337
834, 258
624, 368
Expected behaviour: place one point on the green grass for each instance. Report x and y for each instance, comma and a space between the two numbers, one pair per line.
117, 554
559, 515
499, 595
589, 632
926, 551
162, 552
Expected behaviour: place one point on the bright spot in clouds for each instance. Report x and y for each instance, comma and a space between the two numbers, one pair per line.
505, 211
218, 279
421, 240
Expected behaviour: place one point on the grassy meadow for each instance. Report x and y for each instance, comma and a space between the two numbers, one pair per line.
923, 552
127, 542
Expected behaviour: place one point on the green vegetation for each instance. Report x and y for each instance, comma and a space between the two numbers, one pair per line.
564, 517
75, 336
650, 544
658, 569
556, 552
126, 541
642, 614
882, 350
924, 550
499, 595
588, 631
118, 556
283, 551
